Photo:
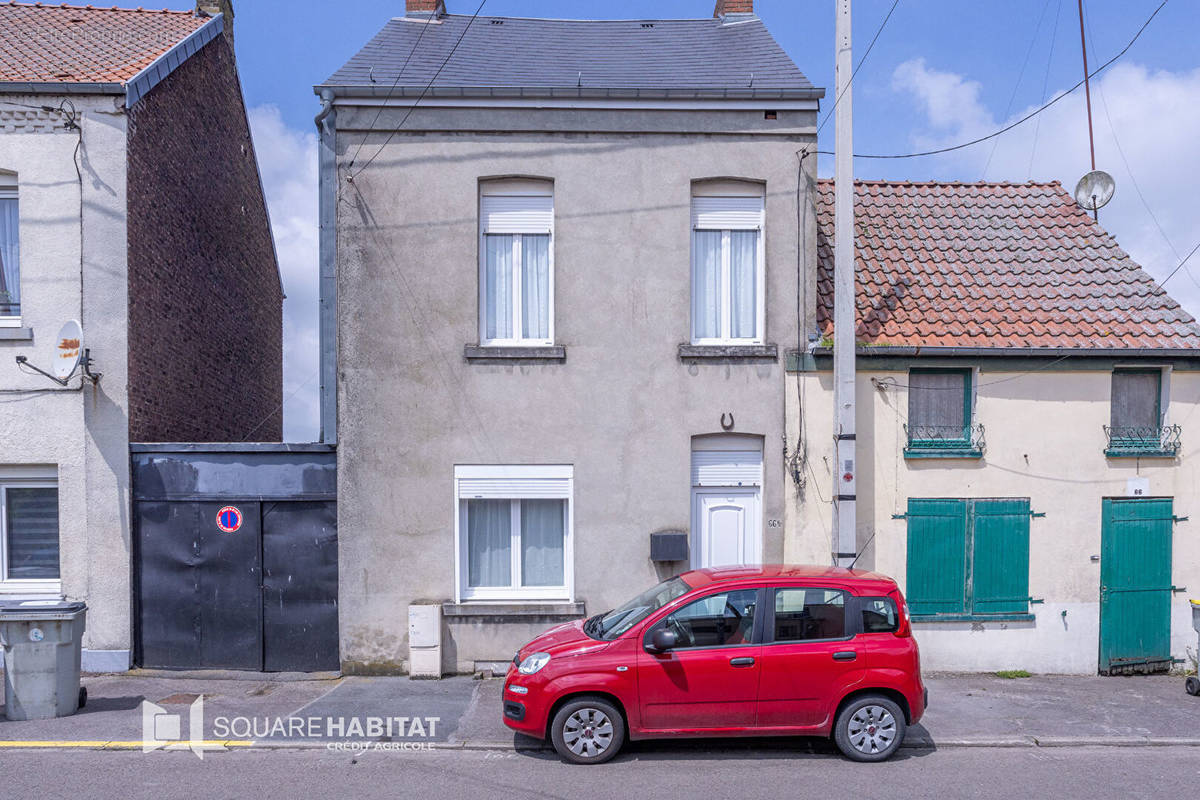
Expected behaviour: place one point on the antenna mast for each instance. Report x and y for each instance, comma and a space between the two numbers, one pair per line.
844, 470
1087, 89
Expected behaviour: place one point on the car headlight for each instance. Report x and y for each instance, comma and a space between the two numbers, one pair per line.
533, 663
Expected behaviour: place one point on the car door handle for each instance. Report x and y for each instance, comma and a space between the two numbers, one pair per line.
845, 655
744, 661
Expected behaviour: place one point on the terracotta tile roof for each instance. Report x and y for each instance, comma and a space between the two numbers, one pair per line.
992, 265
42, 43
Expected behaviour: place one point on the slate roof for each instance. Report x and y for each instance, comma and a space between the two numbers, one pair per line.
540, 54
992, 265
42, 43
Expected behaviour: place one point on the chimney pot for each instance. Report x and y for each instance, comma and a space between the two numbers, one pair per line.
733, 7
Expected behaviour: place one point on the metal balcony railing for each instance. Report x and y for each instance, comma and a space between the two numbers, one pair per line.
944, 438
1160, 440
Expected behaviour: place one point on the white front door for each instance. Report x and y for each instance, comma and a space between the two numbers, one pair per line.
726, 526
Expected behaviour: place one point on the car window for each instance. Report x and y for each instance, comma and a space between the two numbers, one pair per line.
879, 615
806, 614
718, 619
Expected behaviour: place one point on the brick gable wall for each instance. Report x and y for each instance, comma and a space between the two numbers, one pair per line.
205, 303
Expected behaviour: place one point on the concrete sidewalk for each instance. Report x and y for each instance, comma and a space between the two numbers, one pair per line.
260, 711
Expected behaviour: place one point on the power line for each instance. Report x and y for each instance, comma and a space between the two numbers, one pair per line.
388, 96
1016, 87
1023, 119
420, 97
866, 53
1045, 83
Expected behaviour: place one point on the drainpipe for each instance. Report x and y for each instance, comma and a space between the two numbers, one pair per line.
326, 121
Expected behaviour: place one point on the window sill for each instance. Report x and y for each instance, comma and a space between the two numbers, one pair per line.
554, 352
1013, 617
16, 334
32, 590
731, 352
943, 452
1153, 453
511, 611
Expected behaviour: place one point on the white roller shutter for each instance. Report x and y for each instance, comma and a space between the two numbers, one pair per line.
507, 488
727, 468
501, 213
727, 213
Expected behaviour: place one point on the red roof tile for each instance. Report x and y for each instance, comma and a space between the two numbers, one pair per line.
42, 43
992, 265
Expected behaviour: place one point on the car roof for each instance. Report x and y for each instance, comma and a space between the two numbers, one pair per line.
787, 573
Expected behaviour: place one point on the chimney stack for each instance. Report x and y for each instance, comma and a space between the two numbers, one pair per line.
210, 8
728, 7
425, 8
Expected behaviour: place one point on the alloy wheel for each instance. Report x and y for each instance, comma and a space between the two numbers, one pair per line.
588, 732
872, 729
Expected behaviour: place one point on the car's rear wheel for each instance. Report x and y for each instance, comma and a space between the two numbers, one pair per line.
869, 728
588, 731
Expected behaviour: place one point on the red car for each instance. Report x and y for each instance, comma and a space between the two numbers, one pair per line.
745, 651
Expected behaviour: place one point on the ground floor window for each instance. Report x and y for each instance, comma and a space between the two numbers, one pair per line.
29, 549
968, 557
514, 532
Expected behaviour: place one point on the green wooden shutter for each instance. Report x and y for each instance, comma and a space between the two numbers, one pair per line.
1000, 558
937, 535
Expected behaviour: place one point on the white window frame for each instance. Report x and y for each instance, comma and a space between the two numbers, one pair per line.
515, 189
726, 281
541, 480
26, 586
8, 191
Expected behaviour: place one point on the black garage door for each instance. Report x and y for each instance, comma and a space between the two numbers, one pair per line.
236, 557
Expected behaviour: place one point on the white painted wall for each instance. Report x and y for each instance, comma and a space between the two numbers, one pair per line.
1044, 441
82, 432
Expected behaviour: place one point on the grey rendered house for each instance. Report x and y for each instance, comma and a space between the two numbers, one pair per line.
560, 276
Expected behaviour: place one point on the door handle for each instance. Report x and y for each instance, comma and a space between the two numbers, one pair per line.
845, 655
744, 661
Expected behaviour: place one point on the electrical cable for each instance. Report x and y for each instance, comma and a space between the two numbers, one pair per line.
1026, 118
420, 97
1045, 84
866, 53
388, 96
1016, 87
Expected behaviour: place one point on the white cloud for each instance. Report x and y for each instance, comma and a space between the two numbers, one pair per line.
1156, 118
287, 159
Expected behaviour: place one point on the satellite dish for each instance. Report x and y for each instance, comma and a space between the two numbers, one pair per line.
68, 350
1094, 190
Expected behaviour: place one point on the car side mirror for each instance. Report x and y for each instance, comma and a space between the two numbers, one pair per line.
662, 640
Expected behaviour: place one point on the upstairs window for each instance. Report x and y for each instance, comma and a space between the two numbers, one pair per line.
516, 263
10, 272
940, 412
1136, 415
727, 264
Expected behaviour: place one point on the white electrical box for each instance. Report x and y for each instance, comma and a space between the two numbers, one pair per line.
425, 641
424, 626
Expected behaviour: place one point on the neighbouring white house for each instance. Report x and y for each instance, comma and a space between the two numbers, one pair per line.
130, 202
1026, 461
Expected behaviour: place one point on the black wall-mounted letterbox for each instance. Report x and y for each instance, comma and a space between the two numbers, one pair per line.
669, 546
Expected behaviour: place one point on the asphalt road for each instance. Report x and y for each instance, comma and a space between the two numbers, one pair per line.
649, 770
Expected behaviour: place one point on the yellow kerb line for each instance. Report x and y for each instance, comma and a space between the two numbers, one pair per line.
50, 743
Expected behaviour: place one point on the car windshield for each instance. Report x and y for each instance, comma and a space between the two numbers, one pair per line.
612, 624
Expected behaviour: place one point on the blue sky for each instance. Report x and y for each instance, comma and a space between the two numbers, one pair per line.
943, 71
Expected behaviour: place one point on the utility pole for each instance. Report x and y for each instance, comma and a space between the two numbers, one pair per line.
844, 467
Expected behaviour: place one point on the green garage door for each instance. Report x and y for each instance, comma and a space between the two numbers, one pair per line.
1135, 585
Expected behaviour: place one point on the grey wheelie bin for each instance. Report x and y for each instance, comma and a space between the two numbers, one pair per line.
41, 641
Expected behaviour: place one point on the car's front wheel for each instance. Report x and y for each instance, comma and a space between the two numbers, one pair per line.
870, 728
587, 731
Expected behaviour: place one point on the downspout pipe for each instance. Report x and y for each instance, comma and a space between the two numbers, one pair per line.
327, 181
